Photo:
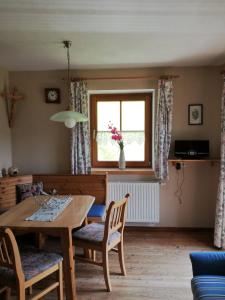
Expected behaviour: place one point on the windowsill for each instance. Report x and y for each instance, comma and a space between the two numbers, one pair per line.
127, 171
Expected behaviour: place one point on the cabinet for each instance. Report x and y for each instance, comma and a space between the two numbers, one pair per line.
8, 190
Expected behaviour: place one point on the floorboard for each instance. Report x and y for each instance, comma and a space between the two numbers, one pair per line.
157, 263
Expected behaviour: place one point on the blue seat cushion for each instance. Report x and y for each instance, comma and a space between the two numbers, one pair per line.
97, 210
207, 287
208, 263
94, 232
33, 263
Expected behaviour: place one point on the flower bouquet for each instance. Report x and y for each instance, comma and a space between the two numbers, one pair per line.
117, 137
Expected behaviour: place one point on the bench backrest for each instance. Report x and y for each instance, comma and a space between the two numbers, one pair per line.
94, 185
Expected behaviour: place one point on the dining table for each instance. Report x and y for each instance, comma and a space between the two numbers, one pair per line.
71, 217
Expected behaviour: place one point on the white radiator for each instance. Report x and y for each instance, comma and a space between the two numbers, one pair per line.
143, 205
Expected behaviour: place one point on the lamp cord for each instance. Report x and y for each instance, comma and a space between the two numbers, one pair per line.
67, 45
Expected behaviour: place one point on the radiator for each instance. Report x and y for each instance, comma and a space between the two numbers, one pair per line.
143, 205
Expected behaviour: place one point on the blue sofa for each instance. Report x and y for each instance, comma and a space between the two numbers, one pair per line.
208, 282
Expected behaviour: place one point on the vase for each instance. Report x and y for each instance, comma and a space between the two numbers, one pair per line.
122, 162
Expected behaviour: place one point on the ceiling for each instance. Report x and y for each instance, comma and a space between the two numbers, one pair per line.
111, 34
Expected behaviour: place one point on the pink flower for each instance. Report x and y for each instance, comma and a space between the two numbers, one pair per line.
116, 135
114, 130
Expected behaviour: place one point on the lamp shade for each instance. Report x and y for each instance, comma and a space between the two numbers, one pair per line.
62, 116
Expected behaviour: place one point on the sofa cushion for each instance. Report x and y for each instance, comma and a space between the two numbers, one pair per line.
97, 210
207, 287
94, 233
24, 191
208, 263
33, 263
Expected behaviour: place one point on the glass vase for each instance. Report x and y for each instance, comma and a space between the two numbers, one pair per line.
122, 162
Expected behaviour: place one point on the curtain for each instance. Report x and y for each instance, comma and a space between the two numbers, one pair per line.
163, 128
219, 234
80, 134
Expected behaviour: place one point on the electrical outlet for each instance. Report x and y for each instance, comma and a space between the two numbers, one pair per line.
178, 166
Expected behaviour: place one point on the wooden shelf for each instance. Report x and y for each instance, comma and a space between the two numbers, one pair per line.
127, 171
177, 160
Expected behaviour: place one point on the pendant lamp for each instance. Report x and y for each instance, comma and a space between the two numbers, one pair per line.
69, 117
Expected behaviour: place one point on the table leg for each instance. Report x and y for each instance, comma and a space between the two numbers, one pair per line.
40, 240
68, 264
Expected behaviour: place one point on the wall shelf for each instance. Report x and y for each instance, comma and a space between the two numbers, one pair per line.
177, 160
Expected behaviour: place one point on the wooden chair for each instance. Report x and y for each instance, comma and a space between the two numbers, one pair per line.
23, 270
103, 238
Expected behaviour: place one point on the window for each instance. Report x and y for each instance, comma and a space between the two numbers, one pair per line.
131, 115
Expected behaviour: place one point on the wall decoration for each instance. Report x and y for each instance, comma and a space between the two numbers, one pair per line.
52, 95
11, 98
195, 114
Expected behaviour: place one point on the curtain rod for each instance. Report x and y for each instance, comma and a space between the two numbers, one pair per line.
166, 77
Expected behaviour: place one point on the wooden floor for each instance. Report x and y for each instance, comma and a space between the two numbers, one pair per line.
158, 267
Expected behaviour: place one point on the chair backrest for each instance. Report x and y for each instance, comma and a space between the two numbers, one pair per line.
115, 218
9, 253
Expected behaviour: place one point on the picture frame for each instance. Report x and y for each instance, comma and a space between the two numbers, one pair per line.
195, 114
52, 95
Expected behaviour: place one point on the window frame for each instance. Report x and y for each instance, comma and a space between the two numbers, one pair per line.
148, 98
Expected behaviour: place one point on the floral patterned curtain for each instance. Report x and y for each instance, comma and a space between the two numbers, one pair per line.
80, 134
163, 128
219, 234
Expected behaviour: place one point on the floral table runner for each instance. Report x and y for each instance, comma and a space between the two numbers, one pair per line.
50, 209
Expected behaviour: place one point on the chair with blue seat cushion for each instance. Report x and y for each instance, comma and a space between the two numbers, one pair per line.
208, 282
96, 213
103, 238
23, 270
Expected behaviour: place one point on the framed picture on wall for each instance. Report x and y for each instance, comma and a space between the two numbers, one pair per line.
195, 114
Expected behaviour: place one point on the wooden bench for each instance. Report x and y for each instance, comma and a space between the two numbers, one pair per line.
94, 184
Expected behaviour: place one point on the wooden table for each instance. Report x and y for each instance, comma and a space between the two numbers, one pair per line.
72, 217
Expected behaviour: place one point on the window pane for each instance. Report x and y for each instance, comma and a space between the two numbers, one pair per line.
108, 111
133, 115
134, 146
108, 149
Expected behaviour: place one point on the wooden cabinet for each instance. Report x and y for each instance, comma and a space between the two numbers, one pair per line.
8, 190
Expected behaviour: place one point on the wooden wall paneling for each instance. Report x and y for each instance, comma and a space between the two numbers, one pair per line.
93, 185
8, 189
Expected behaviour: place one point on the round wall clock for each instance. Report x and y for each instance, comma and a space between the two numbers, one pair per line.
52, 95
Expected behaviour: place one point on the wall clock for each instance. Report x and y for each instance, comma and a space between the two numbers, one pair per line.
52, 95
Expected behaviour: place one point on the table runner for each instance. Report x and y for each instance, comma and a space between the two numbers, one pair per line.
51, 209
